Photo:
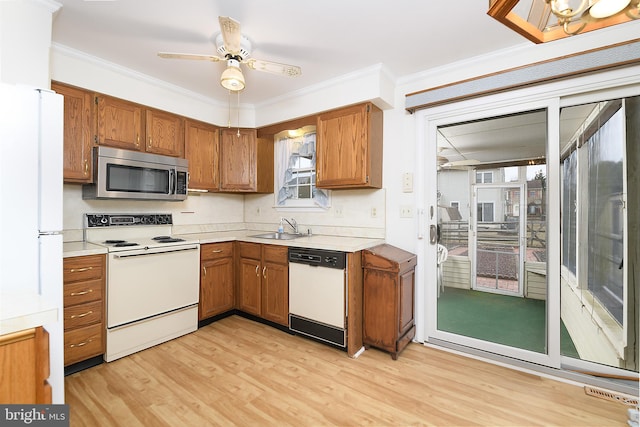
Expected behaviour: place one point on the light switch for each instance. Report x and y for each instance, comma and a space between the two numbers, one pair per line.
407, 182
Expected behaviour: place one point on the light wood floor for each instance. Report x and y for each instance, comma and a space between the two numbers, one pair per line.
238, 372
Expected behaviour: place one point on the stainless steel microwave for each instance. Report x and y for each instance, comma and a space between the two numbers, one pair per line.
125, 174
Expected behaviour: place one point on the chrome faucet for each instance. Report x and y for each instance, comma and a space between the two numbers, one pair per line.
293, 224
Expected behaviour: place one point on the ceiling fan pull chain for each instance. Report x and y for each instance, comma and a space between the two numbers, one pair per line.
229, 105
238, 106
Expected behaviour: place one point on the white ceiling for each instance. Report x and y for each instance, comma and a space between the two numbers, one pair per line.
328, 39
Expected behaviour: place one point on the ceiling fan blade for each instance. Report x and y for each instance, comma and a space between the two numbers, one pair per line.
170, 55
230, 34
274, 67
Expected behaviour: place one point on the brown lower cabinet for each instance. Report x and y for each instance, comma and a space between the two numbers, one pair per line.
217, 286
84, 325
24, 357
263, 281
388, 298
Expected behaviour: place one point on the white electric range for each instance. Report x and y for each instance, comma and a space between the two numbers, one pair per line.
152, 280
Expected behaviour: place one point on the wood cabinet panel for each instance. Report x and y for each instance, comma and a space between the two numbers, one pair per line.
249, 286
24, 358
84, 268
388, 300
264, 281
211, 251
83, 343
349, 147
119, 123
84, 309
164, 133
78, 131
246, 162
217, 285
82, 314
202, 150
275, 292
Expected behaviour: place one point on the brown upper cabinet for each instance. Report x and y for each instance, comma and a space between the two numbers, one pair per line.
165, 133
121, 124
202, 150
246, 161
349, 147
77, 133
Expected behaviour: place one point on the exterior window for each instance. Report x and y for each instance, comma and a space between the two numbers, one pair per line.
569, 203
596, 210
484, 177
605, 212
296, 171
455, 205
485, 212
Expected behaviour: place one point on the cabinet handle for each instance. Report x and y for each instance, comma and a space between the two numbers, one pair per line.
217, 251
86, 167
150, 142
138, 140
204, 270
80, 270
257, 270
75, 294
81, 344
264, 271
78, 316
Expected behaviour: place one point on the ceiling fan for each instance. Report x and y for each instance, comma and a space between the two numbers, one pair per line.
235, 48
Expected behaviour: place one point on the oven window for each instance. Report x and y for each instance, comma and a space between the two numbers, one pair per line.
133, 179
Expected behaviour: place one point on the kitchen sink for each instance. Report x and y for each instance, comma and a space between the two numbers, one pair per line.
278, 236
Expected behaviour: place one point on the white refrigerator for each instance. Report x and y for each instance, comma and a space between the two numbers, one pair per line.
31, 162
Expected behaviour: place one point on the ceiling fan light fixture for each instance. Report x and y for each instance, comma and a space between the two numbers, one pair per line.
606, 8
232, 78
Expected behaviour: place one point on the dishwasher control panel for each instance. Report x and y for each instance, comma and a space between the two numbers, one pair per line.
318, 257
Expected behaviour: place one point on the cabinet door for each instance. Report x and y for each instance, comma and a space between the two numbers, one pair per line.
380, 309
238, 160
202, 150
216, 287
24, 357
249, 286
405, 299
275, 293
164, 133
119, 123
77, 133
341, 148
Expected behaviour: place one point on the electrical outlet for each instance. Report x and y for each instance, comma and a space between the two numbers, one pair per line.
258, 211
406, 212
407, 182
374, 212
337, 212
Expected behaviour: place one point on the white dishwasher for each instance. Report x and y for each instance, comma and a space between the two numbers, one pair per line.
318, 294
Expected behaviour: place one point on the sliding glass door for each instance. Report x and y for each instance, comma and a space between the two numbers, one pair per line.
489, 174
535, 209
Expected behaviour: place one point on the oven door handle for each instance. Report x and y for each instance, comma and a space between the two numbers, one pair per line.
153, 251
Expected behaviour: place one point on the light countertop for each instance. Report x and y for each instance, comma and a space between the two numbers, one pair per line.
20, 311
81, 249
317, 241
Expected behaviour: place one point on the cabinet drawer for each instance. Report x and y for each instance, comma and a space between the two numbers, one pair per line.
212, 251
275, 253
83, 268
81, 292
82, 314
83, 343
249, 250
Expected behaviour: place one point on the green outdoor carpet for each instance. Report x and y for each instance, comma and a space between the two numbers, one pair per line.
513, 321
